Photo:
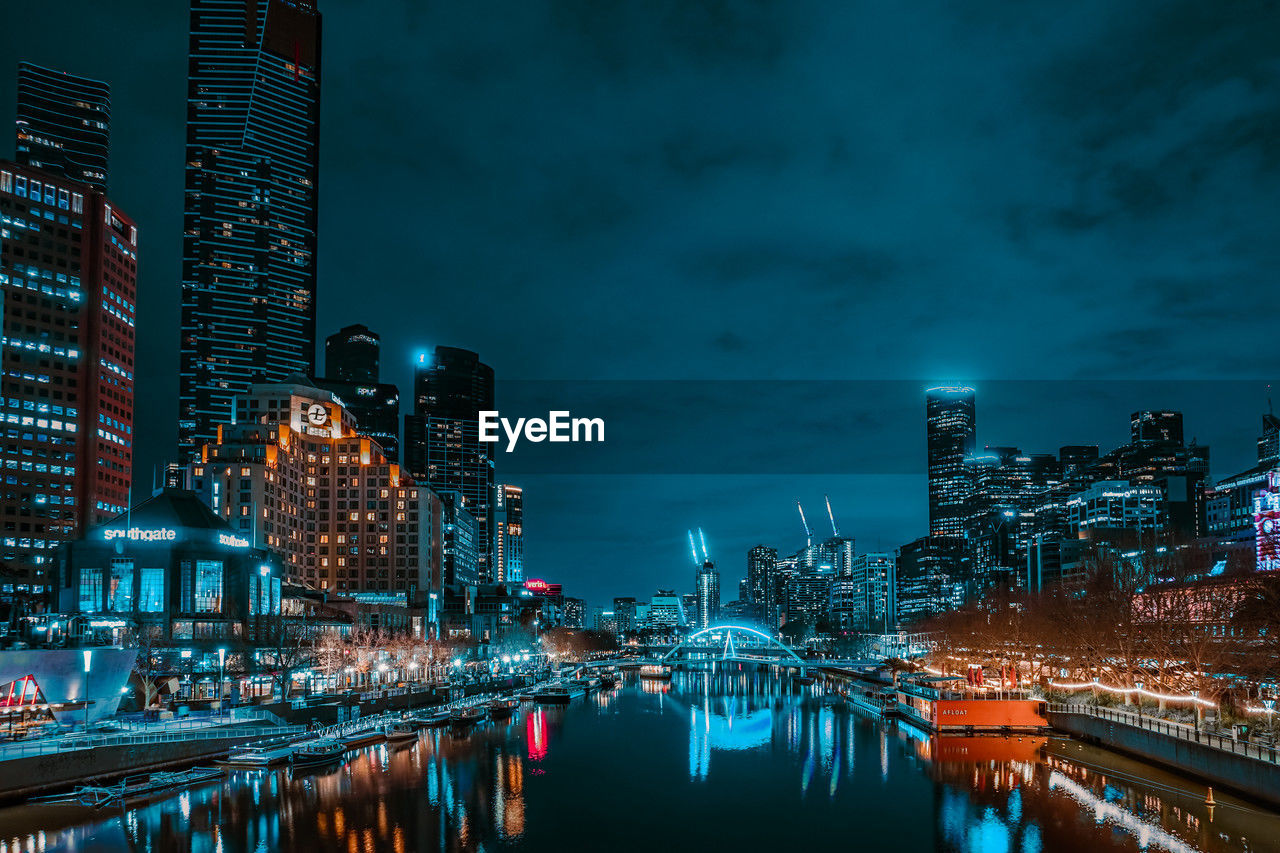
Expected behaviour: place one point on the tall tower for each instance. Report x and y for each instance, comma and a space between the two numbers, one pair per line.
508, 535
351, 358
63, 125
950, 436
708, 592
352, 354
67, 348
442, 437
249, 224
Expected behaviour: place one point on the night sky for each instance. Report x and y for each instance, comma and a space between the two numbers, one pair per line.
1067, 193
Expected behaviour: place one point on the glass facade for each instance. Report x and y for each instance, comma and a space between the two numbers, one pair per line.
151, 591
90, 590
249, 246
208, 598
63, 124
120, 593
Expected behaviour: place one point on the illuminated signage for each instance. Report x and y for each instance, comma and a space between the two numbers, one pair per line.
318, 415
232, 541
536, 585
1266, 524
138, 534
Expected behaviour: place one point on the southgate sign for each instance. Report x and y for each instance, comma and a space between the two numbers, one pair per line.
141, 534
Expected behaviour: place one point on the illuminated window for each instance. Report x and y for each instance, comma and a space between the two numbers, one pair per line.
208, 586
90, 590
120, 593
151, 591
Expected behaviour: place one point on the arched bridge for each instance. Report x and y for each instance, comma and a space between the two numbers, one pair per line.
730, 644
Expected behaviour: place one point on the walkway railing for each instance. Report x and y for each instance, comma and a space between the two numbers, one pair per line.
1181, 731
71, 743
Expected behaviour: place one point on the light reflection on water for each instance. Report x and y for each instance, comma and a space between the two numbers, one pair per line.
713, 759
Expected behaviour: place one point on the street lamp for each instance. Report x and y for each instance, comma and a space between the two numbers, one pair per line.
88, 665
222, 668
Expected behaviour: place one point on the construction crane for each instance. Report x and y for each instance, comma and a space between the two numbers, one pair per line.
703, 539
835, 530
693, 549
807, 532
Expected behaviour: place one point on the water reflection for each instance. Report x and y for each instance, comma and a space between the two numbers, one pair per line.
734, 758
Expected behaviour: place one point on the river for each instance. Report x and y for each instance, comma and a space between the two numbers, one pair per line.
731, 760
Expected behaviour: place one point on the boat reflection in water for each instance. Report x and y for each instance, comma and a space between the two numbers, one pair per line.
703, 750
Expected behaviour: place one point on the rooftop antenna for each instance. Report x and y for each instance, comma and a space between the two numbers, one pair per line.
835, 530
693, 549
702, 539
807, 532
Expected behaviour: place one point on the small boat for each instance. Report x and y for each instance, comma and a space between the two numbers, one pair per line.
363, 738
655, 672
558, 694
587, 684
401, 733
259, 756
435, 720
608, 679
466, 716
503, 707
318, 752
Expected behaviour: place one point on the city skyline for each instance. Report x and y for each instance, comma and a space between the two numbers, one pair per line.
1121, 237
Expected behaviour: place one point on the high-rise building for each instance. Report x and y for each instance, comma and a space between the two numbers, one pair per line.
351, 371
442, 437
291, 473
950, 433
624, 614
707, 585
1155, 427
249, 223
929, 578
666, 610
461, 544
1269, 441
352, 354
508, 534
762, 587
68, 285
64, 125
808, 594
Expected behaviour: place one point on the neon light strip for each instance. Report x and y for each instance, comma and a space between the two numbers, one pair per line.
1131, 690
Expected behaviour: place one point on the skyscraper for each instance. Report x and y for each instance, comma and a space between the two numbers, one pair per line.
351, 358
352, 354
508, 535
708, 593
442, 437
69, 264
762, 586
950, 436
1269, 440
249, 225
63, 125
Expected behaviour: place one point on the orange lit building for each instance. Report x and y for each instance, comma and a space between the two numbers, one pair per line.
294, 476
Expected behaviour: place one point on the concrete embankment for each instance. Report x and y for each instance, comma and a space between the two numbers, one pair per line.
1240, 773
53, 771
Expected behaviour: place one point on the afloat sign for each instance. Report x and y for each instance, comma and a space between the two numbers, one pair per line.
141, 534
232, 541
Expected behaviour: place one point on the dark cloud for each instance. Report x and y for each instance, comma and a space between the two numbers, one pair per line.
705, 189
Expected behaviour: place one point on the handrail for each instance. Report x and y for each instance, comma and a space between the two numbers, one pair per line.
1180, 731
71, 744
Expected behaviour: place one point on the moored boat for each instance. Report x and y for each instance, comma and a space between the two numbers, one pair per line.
466, 716
503, 707
318, 752
401, 733
363, 738
655, 672
259, 756
133, 788
557, 694
434, 720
